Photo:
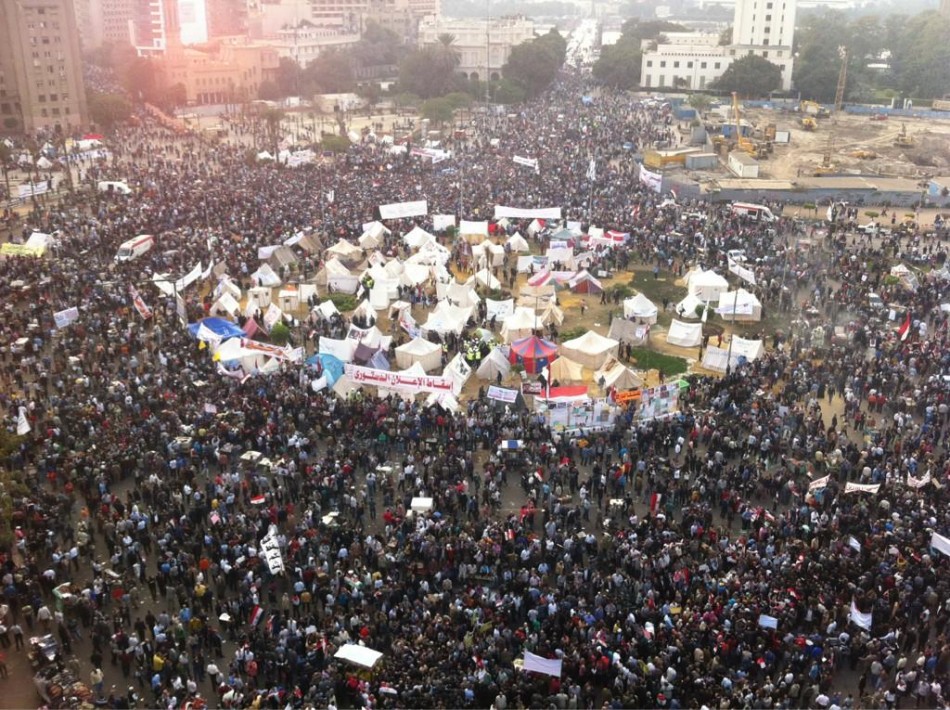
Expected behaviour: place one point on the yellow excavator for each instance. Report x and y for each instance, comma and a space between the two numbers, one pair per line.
813, 108
809, 124
902, 140
756, 150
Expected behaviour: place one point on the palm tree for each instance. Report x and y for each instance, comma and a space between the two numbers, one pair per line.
446, 49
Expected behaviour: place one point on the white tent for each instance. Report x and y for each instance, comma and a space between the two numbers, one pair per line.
340, 349
417, 350
336, 276
415, 274
486, 279
907, 277
742, 351
685, 335
376, 229
226, 285
458, 294
226, 304
359, 655
326, 309
687, 307
551, 314
369, 241
446, 400
706, 285
231, 350
446, 318
535, 227
641, 308
627, 331
740, 305
265, 276
591, 349
492, 364
519, 324
516, 243
260, 296
366, 310
288, 299
416, 237
344, 250
615, 374
488, 254
565, 370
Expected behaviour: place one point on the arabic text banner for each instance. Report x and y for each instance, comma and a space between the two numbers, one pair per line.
398, 380
527, 213
398, 210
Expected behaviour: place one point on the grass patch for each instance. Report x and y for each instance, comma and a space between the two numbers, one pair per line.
657, 289
344, 302
573, 333
652, 360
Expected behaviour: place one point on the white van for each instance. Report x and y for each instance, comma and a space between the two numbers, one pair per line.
758, 212
134, 248
116, 186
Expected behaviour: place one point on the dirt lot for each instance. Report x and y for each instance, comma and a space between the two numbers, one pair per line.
930, 154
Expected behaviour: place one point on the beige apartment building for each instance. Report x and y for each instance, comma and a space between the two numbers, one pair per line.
41, 85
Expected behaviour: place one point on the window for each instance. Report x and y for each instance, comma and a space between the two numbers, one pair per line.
689, 65
765, 42
718, 63
54, 97
702, 65
768, 6
41, 98
676, 65
663, 64
768, 18
766, 29
649, 62
765, 55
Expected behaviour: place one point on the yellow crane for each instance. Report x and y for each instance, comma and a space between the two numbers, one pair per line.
826, 167
903, 140
813, 108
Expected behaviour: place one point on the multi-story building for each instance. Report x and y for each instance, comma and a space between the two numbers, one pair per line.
483, 46
226, 18
103, 21
265, 20
304, 44
223, 72
41, 84
150, 25
694, 60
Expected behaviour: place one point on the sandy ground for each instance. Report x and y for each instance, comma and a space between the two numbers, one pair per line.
851, 134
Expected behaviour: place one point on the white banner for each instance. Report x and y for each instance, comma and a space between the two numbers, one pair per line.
736, 309
272, 315
398, 380
22, 423
477, 228
862, 488
502, 394
540, 664
918, 482
651, 180
768, 622
499, 310
527, 162
742, 272
64, 318
398, 210
819, 483
32, 190
940, 543
189, 278
270, 551
859, 618
527, 212
442, 221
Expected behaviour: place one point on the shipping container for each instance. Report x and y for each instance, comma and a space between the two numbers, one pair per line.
702, 161
743, 164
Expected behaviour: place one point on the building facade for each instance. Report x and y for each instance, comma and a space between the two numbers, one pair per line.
41, 83
224, 72
483, 46
103, 21
694, 60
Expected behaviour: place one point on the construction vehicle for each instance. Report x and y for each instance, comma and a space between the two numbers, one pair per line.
942, 104
756, 150
809, 124
827, 167
902, 140
864, 154
813, 108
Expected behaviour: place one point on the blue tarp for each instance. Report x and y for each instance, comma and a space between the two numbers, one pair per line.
332, 366
222, 328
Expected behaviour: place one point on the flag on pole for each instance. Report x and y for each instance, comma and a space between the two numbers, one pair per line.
705, 311
256, 615
904, 330
330, 195
592, 170
140, 306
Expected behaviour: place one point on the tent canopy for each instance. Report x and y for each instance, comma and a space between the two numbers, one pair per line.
493, 364
591, 349
419, 351
358, 655
519, 324
615, 374
220, 327
566, 370
685, 335
641, 308
533, 353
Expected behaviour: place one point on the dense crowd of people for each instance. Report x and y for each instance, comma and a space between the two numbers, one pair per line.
713, 558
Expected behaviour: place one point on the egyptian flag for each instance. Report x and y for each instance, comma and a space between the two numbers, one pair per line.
256, 615
654, 502
904, 330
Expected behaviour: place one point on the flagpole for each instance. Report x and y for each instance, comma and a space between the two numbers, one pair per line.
735, 305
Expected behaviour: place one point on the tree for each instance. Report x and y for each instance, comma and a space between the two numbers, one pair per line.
430, 72
750, 76
106, 110
508, 92
335, 144
279, 334
725, 37
269, 90
534, 64
438, 110
700, 102
288, 77
619, 65
921, 56
331, 72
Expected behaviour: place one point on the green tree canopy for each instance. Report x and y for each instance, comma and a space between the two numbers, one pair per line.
534, 64
331, 72
438, 110
619, 65
921, 56
431, 71
750, 76
106, 110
